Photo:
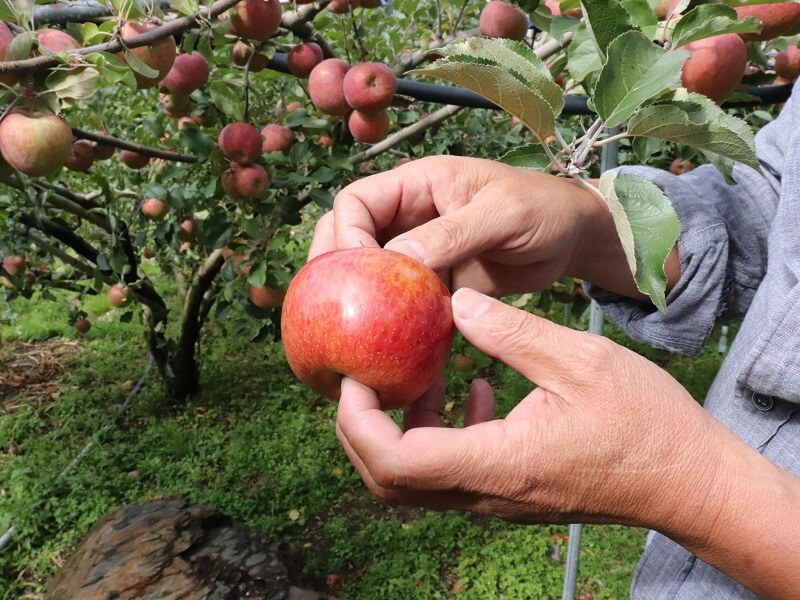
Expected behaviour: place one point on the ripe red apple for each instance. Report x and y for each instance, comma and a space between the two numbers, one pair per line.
189, 72
154, 208
555, 9
256, 19
303, 58
342, 7
369, 87
665, 8
133, 160
187, 231
266, 297
371, 127
246, 181
14, 265
102, 151
716, 66
176, 105
787, 63
325, 141
56, 40
83, 325
119, 295
777, 19
502, 20
6, 38
240, 142
35, 144
679, 166
375, 315
241, 54
277, 138
81, 156
325, 86
159, 56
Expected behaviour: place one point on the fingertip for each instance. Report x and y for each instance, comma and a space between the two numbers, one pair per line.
481, 403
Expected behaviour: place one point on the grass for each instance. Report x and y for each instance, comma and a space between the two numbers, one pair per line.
260, 447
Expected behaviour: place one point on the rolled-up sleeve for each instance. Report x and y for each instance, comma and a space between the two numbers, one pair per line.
722, 245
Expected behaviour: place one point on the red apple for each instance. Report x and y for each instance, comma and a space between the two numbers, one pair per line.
502, 20
787, 63
303, 58
102, 151
159, 56
240, 142
277, 138
6, 38
119, 296
246, 181
777, 19
369, 87
555, 9
14, 265
176, 105
133, 160
241, 54
83, 325
325, 86
55, 41
679, 166
371, 127
189, 72
154, 208
81, 157
187, 231
375, 315
716, 66
256, 19
265, 297
33, 144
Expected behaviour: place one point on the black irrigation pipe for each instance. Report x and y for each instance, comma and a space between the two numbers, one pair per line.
573, 105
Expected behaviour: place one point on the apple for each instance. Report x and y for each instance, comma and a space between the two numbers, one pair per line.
6, 37
777, 19
14, 265
133, 160
502, 20
102, 151
463, 363
369, 86
119, 295
159, 56
35, 144
154, 208
265, 297
187, 231
176, 105
716, 65
189, 72
241, 54
55, 41
83, 325
246, 181
280, 110
679, 166
342, 7
666, 8
240, 142
375, 315
371, 127
303, 58
256, 19
81, 156
325, 141
787, 63
555, 9
325, 86
277, 138
148, 253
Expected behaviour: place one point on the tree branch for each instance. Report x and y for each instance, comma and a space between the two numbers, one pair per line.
65, 257
408, 60
299, 23
138, 148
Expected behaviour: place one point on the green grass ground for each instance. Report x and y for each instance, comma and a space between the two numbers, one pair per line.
260, 447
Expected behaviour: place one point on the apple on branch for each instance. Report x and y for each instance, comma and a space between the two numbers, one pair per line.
35, 144
501, 20
377, 316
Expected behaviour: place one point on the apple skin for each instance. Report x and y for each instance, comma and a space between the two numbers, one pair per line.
371, 127
502, 20
154, 208
716, 66
679, 166
81, 157
83, 325
266, 297
189, 72
14, 265
249, 182
369, 86
787, 63
187, 231
303, 58
159, 56
256, 20
36, 145
240, 142
118, 295
6, 37
55, 41
375, 315
277, 138
777, 20
133, 160
326, 86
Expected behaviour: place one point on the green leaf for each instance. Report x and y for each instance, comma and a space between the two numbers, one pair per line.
647, 226
227, 97
694, 120
185, 7
583, 58
606, 20
710, 19
641, 13
637, 70
7, 12
77, 84
138, 65
531, 156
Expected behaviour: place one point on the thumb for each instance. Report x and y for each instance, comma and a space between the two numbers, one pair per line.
550, 355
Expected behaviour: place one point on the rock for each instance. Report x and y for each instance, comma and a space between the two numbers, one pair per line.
169, 549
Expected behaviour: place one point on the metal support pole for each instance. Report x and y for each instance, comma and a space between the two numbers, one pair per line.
609, 159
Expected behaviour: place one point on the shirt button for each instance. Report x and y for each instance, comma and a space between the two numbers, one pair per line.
763, 402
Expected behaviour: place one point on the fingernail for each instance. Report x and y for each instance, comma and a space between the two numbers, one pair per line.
469, 304
411, 248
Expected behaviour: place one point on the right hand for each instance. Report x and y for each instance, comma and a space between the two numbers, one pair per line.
478, 223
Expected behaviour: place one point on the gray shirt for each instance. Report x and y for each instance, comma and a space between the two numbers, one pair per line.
740, 254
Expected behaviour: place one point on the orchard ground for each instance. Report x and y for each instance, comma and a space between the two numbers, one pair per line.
259, 446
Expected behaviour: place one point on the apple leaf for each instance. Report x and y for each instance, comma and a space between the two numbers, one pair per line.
76, 84
138, 65
606, 20
531, 156
708, 20
505, 72
7, 12
582, 56
636, 71
641, 13
226, 96
647, 226
694, 120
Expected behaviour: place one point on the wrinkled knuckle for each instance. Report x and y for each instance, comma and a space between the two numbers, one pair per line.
385, 477
449, 236
598, 351
512, 331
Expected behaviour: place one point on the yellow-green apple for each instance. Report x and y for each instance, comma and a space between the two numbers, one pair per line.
189, 72
369, 86
14, 265
716, 65
265, 297
35, 144
277, 138
375, 315
133, 160
119, 295
245, 181
303, 58
81, 156
154, 208
502, 20
325, 86
777, 19
369, 127
240, 142
256, 19
159, 55
787, 63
